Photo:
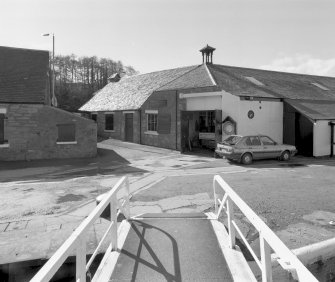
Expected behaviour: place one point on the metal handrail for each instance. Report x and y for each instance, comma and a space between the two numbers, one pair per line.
268, 239
77, 241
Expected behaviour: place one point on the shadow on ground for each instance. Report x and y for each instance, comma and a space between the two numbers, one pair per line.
106, 162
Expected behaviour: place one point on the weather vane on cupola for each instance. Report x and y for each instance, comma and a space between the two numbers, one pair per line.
208, 51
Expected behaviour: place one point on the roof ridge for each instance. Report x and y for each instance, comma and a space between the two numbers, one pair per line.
25, 49
195, 67
211, 76
275, 71
140, 74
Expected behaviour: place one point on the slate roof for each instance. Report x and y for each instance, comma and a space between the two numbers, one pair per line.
316, 110
23, 75
131, 92
197, 78
276, 84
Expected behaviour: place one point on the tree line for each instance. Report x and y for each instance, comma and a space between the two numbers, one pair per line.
78, 78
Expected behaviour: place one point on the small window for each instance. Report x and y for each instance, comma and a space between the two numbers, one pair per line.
109, 122
94, 117
2, 129
152, 122
320, 86
267, 141
254, 81
66, 133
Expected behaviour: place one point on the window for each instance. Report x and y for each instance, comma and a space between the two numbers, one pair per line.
152, 122
94, 117
254, 81
267, 141
66, 133
109, 122
2, 129
252, 141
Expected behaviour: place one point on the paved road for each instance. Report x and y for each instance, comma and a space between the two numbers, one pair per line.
43, 202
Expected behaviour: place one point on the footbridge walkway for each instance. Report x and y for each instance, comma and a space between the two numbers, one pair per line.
173, 247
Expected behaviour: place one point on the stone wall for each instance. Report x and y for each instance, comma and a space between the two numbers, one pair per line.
119, 125
31, 131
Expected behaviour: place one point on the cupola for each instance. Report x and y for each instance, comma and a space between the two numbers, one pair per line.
207, 53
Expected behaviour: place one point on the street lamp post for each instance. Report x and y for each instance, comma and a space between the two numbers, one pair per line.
53, 99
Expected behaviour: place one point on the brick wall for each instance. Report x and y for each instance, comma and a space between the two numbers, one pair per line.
155, 102
119, 125
31, 131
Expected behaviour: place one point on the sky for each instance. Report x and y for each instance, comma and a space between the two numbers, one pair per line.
151, 35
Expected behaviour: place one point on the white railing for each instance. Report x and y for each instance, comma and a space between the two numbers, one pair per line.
77, 241
268, 239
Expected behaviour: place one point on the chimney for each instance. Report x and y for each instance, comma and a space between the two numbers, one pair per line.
207, 54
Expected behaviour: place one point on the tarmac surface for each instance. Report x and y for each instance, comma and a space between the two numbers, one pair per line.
44, 201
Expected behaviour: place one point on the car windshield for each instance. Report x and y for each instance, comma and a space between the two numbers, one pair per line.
232, 139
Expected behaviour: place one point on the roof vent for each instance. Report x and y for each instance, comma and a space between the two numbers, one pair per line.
115, 77
254, 81
319, 85
208, 52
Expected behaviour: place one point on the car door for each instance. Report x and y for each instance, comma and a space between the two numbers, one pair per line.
270, 149
255, 146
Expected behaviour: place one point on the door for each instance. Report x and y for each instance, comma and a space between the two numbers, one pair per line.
303, 135
271, 150
185, 128
129, 127
254, 145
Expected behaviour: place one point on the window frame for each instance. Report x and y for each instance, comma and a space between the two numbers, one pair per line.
265, 144
109, 114
4, 143
154, 114
66, 142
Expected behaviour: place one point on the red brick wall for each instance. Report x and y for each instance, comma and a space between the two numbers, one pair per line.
31, 131
169, 141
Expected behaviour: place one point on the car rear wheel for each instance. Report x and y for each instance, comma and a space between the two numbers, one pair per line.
246, 159
285, 156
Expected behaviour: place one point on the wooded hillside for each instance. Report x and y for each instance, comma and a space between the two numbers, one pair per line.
77, 78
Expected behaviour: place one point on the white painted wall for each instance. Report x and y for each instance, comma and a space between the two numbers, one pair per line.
321, 138
203, 103
268, 119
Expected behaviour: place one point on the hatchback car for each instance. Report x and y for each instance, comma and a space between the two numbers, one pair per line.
245, 149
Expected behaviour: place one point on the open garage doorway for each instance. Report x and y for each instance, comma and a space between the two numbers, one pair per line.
298, 131
200, 129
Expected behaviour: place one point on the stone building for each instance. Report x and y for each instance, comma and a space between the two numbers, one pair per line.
199, 105
30, 128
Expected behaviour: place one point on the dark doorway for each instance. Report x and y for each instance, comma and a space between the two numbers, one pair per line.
185, 125
303, 135
129, 127
297, 130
